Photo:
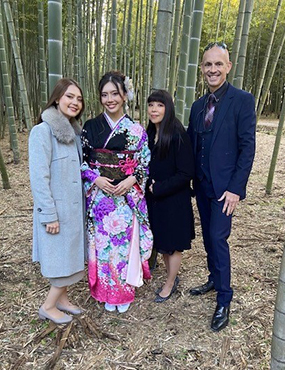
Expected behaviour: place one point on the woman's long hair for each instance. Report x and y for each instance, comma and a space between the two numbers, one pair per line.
58, 91
169, 125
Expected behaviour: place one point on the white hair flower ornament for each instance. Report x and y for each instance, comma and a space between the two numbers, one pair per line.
129, 88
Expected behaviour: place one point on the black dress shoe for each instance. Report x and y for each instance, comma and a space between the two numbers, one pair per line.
202, 289
220, 318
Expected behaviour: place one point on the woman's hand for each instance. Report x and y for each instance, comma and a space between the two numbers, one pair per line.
151, 186
124, 186
105, 184
52, 227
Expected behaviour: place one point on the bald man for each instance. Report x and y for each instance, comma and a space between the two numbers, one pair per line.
222, 130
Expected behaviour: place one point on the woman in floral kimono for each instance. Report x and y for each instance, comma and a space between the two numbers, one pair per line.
114, 173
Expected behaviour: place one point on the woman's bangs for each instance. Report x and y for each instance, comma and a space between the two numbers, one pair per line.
156, 96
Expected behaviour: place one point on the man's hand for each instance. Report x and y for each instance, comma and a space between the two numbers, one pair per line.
231, 201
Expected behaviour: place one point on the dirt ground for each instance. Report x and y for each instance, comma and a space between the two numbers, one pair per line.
172, 335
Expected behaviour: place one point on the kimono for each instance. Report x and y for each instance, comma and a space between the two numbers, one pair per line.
118, 231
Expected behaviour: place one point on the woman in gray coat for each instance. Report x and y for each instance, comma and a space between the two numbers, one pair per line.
58, 228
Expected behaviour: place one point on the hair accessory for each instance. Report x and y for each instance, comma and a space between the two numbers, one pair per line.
129, 88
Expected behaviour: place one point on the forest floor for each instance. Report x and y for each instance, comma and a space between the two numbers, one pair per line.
172, 335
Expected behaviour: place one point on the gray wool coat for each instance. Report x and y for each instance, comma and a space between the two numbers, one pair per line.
54, 162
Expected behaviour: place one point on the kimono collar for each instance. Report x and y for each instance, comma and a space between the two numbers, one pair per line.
64, 130
111, 123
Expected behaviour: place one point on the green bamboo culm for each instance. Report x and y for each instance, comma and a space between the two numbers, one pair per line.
54, 42
114, 34
80, 46
147, 63
270, 76
69, 40
18, 63
267, 54
128, 46
196, 30
276, 150
4, 174
8, 95
219, 20
43, 70
174, 47
183, 60
237, 38
278, 336
161, 51
238, 80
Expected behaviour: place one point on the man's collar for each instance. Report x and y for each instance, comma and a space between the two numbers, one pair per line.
220, 92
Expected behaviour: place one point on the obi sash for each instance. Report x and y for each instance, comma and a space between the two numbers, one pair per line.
116, 165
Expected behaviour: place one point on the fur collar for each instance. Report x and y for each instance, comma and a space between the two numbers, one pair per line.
63, 129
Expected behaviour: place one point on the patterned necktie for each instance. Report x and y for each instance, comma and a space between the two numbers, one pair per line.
210, 111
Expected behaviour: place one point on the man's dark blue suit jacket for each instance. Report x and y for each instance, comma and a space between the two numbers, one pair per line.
233, 140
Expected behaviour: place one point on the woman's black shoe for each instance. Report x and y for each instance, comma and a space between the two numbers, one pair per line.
159, 299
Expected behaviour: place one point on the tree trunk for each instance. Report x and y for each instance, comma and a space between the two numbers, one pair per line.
8, 95
122, 61
174, 47
267, 54
219, 20
271, 72
226, 21
183, 60
128, 46
69, 40
80, 48
140, 74
278, 335
238, 80
97, 55
161, 52
106, 35
54, 42
237, 38
18, 106
193, 61
43, 69
147, 67
134, 64
114, 34
4, 174
276, 150
18, 62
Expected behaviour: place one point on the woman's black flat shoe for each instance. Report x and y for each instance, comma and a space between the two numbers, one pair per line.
159, 299
176, 282
158, 290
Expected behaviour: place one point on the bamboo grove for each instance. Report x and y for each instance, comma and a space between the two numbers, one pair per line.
157, 43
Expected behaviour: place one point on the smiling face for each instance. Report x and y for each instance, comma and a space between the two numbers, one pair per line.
215, 66
70, 104
156, 112
113, 100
